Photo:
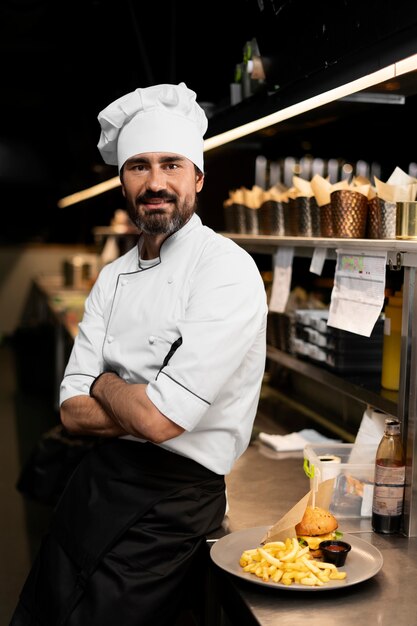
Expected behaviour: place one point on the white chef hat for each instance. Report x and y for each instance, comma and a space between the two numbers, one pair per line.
162, 118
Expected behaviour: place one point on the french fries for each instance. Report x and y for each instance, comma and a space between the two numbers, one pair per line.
287, 563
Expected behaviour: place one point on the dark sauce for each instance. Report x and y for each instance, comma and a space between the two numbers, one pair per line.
387, 524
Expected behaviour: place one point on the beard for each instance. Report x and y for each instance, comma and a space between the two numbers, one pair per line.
159, 221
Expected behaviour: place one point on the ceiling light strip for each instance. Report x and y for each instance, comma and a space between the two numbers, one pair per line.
391, 71
406, 65
300, 107
85, 194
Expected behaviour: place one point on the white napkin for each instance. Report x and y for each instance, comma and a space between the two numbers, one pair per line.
293, 441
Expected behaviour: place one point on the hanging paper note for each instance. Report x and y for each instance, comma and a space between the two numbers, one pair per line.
358, 292
281, 283
317, 260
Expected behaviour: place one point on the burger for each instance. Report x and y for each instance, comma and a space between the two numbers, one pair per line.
317, 525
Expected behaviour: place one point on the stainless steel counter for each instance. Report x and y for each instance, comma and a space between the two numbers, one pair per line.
387, 599
264, 485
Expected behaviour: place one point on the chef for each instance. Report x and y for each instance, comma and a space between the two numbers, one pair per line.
166, 369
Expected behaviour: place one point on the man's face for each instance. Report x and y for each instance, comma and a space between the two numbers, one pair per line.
160, 190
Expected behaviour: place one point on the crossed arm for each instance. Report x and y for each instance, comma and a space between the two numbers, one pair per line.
117, 408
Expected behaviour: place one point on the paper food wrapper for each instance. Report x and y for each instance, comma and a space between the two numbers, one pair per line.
363, 189
292, 193
275, 194
280, 187
321, 188
237, 196
363, 185
360, 180
302, 186
252, 198
399, 177
285, 527
395, 193
342, 184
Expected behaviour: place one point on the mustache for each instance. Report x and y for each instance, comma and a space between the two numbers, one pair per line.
152, 195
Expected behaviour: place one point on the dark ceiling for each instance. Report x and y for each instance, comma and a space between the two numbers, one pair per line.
62, 62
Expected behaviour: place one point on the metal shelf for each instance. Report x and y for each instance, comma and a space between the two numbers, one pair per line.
377, 397
268, 244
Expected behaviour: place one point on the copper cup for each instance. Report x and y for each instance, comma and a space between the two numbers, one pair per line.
290, 219
230, 218
271, 218
349, 213
252, 221
381, 222
305, 214
315, 218
326, 222
235, 218
240, 218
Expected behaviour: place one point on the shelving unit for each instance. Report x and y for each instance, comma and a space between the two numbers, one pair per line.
400, 254
364, 133
353, 389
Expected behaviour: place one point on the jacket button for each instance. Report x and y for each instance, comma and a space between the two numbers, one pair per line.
170, 279
151, 339
110, 338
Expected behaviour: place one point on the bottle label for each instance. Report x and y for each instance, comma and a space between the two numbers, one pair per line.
388, 490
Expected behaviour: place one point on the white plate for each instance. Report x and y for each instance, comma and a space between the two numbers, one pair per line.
363, 561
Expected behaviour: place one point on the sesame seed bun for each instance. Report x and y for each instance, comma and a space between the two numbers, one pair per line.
316, 521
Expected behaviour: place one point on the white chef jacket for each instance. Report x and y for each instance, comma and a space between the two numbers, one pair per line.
206, 291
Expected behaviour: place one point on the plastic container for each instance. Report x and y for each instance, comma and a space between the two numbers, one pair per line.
353, 469
391, 351
335, 551
338, 350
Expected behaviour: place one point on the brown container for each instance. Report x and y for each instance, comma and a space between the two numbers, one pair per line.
237, 218
315, 218
381, 221
230, 217
306, 216
290, 218
240, 218
271, 218
252, 221
349, 214
326, 222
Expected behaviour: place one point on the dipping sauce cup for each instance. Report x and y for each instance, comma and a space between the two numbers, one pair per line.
335, 551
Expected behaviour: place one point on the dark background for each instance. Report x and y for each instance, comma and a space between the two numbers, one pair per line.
62, 62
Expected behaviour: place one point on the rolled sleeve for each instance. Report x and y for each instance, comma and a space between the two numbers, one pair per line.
86, 360
181, 405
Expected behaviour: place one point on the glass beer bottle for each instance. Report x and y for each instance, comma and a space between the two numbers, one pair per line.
387, 504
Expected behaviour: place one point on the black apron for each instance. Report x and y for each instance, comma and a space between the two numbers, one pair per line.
123, 538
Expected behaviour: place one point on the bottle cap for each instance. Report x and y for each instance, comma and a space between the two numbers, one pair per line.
391, 421
392, 426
